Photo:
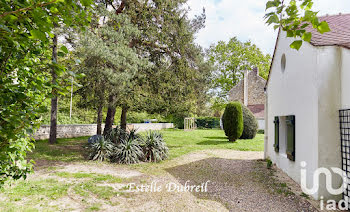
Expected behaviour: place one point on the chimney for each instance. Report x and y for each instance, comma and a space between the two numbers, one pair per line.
245, 85
256, 71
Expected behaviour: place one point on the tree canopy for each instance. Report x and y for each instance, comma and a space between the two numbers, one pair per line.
26, 29
231, 59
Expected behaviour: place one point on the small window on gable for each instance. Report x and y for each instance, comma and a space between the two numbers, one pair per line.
283, 63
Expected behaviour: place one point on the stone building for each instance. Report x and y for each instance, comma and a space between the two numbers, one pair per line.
250, 92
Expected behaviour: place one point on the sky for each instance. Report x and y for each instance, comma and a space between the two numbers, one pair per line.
244, 19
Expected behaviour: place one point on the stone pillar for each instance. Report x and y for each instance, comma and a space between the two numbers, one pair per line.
245, 88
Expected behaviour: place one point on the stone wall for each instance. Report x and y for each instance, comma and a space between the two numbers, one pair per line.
77, 130
256, 86
237, 92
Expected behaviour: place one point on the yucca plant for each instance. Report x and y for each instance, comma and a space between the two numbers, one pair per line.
115, 134
101, 150
154, 147
129, 150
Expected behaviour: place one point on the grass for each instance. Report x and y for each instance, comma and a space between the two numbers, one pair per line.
92, 176
182, 142
66, 150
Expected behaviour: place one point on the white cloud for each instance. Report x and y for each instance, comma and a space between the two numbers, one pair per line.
244, 19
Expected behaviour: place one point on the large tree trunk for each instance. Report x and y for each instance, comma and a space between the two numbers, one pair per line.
100, 110
99, 118
123, 118
54, 100
110, 114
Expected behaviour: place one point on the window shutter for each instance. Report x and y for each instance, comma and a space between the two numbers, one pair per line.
290, 121
277, 134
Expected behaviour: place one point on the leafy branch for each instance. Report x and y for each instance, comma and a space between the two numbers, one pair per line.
295, 19
28, 8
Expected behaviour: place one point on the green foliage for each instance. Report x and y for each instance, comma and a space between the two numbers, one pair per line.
231, 59
101, 150
154, 147
232, 120
129, 150
250, 124
208, 122
26, 29
269, 163
114, 135
140, 117
294, 18
177, 119
261, 131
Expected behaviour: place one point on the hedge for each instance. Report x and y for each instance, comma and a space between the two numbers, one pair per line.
232, 120
208, 122
250, 124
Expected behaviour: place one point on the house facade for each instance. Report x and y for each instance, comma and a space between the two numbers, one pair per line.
250, 92
304, 93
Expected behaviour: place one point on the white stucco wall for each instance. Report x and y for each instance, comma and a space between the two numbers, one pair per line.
345, 78
329, 102
313, 87
294, 92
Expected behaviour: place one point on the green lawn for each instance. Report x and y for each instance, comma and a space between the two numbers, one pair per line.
180, 142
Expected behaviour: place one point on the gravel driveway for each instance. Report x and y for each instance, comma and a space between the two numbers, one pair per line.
236, 181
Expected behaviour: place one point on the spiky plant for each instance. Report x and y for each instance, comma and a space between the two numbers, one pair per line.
115, 134
101, 150
154, 147
129, 150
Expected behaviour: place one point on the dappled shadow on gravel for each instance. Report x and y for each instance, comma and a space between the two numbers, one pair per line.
241, 185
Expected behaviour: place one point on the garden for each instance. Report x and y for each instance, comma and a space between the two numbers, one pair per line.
104, 63
64, 179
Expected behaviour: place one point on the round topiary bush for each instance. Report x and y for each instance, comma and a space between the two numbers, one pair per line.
232, 121
250, 124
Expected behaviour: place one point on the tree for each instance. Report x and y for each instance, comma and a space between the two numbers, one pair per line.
25, 28
230, 60
168, 43
294, 18
108, 59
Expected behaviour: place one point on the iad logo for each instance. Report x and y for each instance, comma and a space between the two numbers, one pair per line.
316, 183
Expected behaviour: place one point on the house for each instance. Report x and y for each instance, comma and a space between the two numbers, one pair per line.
250, 92
306, 90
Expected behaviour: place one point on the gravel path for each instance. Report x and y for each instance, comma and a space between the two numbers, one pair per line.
237, 181
241, 183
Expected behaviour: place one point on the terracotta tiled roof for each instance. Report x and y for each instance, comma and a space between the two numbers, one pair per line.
257, 110
339, 34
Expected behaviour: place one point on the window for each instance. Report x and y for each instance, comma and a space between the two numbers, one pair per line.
285, 136
283, 63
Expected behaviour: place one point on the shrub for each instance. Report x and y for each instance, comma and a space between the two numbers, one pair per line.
250, 125
101, 149
177, 119
115, 134
208, 122
127, 147
261, 132
233, 121
154, 147
128, 150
